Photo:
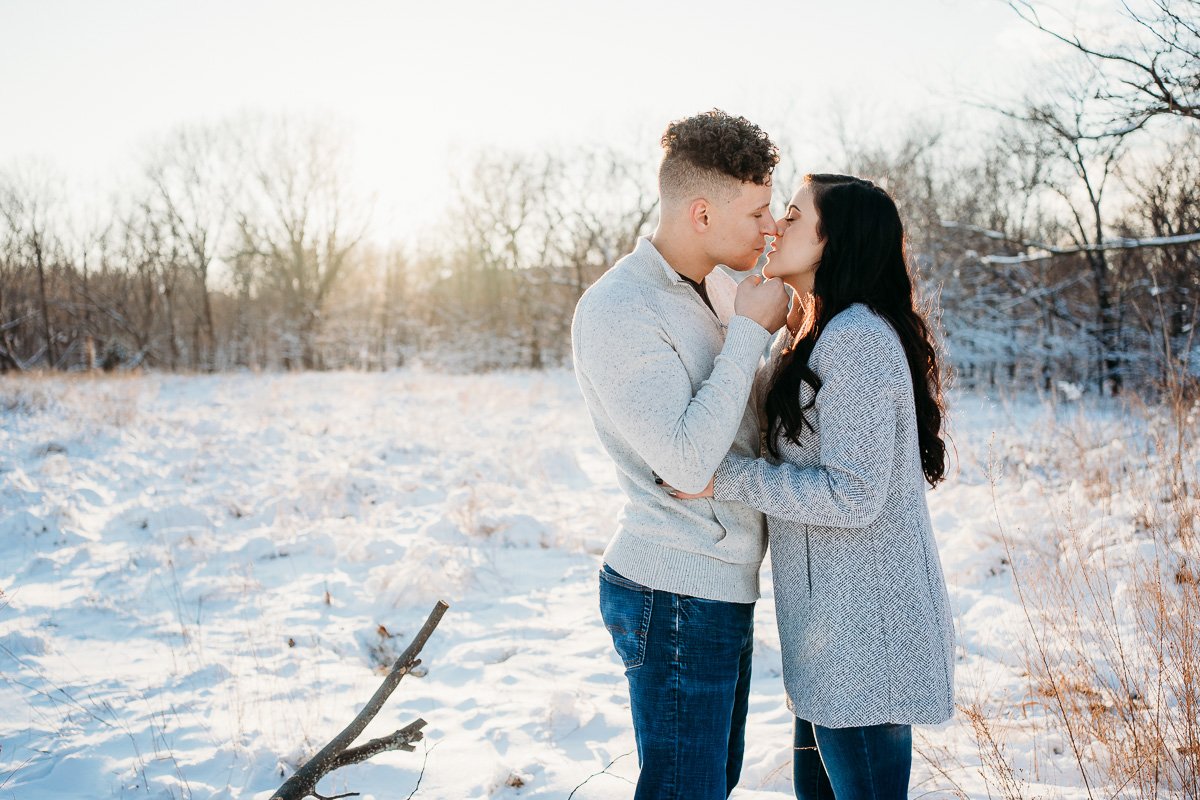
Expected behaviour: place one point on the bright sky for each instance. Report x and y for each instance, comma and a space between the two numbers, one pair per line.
86, 84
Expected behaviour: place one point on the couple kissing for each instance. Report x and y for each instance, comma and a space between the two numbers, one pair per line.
823, 448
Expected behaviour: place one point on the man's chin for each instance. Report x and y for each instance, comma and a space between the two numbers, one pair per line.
745, 267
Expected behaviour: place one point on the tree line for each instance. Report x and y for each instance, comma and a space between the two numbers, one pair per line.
241, 245
1059, 250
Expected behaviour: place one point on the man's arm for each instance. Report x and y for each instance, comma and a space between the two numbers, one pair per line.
645, 390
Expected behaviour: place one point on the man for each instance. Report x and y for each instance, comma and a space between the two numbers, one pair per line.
665, 352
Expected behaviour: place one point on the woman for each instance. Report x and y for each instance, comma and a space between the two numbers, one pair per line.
853, 415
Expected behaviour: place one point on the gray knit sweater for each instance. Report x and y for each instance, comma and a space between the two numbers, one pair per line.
864, 619
667, 383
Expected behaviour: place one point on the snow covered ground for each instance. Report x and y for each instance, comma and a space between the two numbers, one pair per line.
202, 576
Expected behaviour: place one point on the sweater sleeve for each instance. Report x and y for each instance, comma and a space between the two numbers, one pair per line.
857, 430
645, 390
762, 382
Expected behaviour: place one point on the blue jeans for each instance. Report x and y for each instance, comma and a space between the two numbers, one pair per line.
688, 665
866, 763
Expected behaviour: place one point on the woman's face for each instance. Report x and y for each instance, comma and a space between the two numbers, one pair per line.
798, 248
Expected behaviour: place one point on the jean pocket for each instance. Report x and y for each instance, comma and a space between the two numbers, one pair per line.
612, 576
626, 607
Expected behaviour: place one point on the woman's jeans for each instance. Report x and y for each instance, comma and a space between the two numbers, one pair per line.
688, 665
867, 763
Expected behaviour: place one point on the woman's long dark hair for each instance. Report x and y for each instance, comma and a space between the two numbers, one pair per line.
864, 261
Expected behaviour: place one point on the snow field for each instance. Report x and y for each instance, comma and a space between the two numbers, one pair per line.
203, 576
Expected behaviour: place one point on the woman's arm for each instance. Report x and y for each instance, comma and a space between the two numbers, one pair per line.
857, 418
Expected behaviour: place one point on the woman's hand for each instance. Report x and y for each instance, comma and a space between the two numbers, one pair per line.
678, 495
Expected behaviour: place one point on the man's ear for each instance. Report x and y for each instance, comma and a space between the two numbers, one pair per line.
698, 215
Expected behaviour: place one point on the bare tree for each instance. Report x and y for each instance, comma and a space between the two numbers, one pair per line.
508, 212
537, 229
1154, 72
996, 323
1090, 155
395, 270
602, 203
608, 200
11, 313
299, 222
1167, 308
137, 295
87, 247
193, 178
28, 200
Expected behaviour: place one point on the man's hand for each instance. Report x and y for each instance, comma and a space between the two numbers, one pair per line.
765, 302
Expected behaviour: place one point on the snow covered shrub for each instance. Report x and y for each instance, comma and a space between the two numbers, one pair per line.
25, 397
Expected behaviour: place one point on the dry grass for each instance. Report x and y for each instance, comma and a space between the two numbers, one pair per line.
1113, 607
26, 397
98, 401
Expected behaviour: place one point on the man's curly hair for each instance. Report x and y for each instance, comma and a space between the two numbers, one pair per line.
701, 154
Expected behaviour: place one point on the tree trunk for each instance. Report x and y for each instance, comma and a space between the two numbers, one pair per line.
208, 357
39, 257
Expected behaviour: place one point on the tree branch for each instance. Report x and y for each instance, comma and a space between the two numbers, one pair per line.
400, 740
336, 754
1049, 250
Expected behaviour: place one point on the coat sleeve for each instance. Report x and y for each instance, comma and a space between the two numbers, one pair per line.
641, 383
857, 418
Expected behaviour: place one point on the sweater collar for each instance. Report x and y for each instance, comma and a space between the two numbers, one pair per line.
649, 257
651, 266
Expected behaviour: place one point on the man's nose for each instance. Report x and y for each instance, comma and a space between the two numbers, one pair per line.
769, 227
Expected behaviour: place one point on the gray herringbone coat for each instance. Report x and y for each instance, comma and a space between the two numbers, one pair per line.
864, 619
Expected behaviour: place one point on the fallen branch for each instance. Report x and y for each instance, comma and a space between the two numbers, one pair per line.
338, 752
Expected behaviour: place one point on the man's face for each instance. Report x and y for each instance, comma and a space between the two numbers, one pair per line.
739, 227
